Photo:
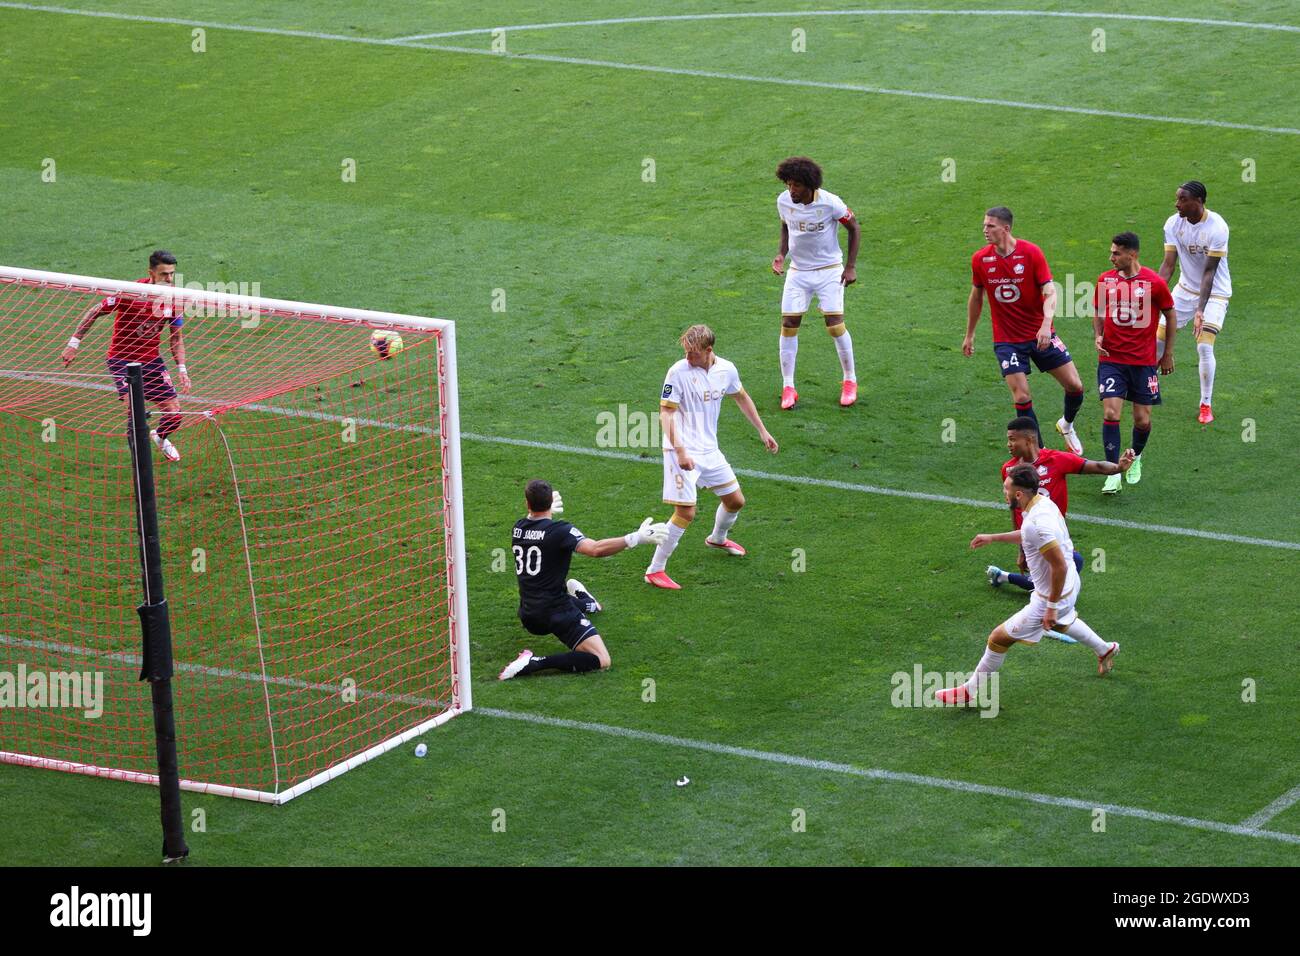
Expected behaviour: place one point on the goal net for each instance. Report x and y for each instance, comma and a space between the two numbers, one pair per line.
313, 553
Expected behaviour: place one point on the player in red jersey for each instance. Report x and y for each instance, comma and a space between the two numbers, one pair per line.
1052, 467
1022, 304
137, 331
1124, 317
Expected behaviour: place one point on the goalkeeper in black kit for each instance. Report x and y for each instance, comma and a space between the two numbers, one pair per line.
549, 601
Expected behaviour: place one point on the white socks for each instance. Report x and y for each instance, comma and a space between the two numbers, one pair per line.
1208, 365
992, 660
1087, 637
989, 663
789, 349
663, 551
844, 345
722, 524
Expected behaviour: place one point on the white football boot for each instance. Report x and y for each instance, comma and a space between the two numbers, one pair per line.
515, 666
1071, 439
166, 446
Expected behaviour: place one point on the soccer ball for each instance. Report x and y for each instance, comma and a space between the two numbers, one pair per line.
385, 343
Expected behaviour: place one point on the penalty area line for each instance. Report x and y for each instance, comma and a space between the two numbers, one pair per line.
859, 88
803, 14
892, 776
1284, 802
408, 44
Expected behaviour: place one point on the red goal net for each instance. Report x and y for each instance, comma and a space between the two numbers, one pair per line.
311, 537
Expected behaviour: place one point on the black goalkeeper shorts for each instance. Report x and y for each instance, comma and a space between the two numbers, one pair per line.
568, 622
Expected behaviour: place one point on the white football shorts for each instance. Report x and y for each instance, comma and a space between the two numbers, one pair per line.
801, 286
1216, 310
711, 472
1027, 623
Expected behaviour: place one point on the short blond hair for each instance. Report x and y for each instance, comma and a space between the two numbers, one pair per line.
697, 338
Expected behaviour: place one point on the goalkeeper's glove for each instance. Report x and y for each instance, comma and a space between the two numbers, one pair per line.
650, 530
557, 503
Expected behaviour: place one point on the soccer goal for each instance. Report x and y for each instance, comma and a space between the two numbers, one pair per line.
312, 537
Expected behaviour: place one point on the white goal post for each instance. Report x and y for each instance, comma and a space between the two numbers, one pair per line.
305, 621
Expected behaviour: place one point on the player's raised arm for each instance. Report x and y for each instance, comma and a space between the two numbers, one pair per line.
1010, 537
748, 409
851, 226
1107, 467
650, 530
974, 306
783, 247
84, 324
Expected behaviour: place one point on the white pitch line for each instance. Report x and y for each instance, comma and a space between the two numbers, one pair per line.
894, 776
745, 472
664, 70
877, 90
895, 492
806, 763
1284, 802
689, 17
205, 24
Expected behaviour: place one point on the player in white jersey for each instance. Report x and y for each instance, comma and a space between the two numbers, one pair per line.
809, 219
1197, 239
1047, 546
688, 415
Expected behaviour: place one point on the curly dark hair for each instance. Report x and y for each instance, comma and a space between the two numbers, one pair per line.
802, 170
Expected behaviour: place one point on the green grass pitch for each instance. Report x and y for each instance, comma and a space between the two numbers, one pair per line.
485, 179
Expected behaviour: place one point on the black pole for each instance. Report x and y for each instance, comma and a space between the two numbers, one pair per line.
157, 665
